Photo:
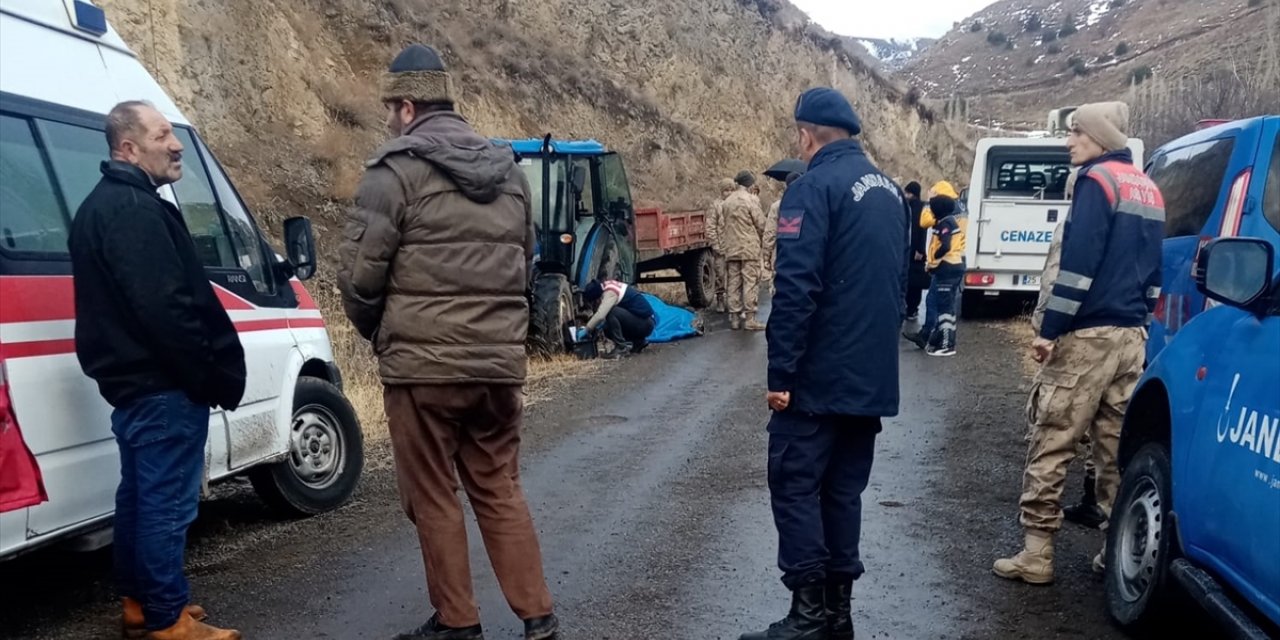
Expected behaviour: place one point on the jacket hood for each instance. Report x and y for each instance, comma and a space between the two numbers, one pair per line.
446, 140
944, 188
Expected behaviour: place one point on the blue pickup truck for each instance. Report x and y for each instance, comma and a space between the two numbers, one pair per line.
1198, 512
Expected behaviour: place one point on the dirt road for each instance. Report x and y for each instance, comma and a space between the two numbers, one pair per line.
647, 482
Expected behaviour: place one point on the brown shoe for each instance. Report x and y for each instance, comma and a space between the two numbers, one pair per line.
135, 625
753, 325
188, 629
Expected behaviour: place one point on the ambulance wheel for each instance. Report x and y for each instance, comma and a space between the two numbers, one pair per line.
699, 273
1140, 545
326, 453
551, 314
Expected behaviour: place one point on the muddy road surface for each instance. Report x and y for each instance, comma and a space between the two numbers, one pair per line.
647, 483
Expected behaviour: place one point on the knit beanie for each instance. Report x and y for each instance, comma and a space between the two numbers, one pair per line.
913, 188
745, 179
417, 75
1107, 123
942, 206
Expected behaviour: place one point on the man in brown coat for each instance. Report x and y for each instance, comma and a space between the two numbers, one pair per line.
434, 266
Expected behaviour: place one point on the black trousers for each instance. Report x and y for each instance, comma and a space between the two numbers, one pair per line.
622, 326
818, 468
917, 282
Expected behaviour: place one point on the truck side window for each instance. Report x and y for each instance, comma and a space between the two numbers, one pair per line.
224, 236
244, 233
76, 153
32, 219
200, 208
1191, 181
1271, 197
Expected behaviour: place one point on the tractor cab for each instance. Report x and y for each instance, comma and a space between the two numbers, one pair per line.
585, 228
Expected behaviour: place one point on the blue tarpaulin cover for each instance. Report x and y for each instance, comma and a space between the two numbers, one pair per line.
674, 323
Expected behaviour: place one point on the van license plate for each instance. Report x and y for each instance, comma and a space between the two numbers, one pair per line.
1031, 280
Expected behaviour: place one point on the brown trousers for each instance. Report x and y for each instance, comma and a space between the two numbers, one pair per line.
443, 433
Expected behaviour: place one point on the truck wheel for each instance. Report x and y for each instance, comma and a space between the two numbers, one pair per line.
326, 453
699, 274
1140, 543
551, 313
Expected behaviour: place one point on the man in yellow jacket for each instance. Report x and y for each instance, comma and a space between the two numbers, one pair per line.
946, 263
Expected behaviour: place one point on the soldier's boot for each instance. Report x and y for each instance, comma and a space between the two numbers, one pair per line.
134, 625
915, 337
1034, 564
186, 628
1087, 513
806, 621
735, 323
753, 325
839, 603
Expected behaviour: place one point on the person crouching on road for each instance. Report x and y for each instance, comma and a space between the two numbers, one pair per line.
628, 318
1092, 341
163, 351
742, 239
946, 264
433, 269
833, 361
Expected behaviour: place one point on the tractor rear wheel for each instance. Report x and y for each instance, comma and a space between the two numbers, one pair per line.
551, 314
699, 273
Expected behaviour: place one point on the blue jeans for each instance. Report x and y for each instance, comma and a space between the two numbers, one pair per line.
161, 439
941, 306
818, 469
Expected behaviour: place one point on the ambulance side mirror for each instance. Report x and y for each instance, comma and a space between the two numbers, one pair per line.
300, 246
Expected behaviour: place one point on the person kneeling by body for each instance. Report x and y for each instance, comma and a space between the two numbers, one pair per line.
627, 317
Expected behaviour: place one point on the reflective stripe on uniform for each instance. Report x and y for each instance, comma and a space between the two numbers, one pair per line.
1063, 305
1074, 280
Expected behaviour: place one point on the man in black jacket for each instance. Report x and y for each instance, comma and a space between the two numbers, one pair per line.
151, 332
917, 277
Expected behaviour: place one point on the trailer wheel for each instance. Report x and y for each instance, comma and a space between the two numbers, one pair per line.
551, 313
699, 272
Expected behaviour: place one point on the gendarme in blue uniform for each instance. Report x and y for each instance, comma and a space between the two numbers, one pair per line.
841, 273
843, 251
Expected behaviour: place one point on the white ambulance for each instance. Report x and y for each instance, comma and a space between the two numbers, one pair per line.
62, 68
1015, 199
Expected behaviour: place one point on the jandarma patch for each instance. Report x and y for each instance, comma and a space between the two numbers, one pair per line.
789, 223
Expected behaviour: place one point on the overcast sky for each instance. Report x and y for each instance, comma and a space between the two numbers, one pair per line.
891, 19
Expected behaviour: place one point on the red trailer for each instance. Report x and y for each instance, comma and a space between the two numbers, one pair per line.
676, 240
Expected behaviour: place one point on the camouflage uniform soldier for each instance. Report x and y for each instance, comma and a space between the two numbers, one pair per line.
715, 226
1087, 513
1093, 333
741, 237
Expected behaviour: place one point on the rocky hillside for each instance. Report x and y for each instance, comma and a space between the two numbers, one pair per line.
1017, 59
688, 91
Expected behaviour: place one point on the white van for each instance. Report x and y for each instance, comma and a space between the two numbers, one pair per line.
1016, 196
62, 68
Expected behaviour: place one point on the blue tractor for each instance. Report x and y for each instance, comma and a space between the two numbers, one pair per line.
586, 229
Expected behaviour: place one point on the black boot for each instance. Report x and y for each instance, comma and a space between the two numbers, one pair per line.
1087, 513
840, 609
542, 628
807, 620
434, 630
